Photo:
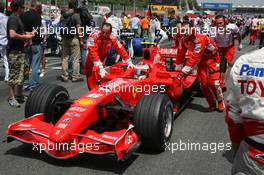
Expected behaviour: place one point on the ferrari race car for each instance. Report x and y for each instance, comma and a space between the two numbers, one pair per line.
126, 108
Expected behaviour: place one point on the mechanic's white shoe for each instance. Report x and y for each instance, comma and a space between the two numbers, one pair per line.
42, 73
13, 103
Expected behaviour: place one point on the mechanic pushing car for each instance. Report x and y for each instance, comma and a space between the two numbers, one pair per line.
99, 43
245, 113
204, 55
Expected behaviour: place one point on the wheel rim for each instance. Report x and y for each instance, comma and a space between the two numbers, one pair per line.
167, 122
58, 110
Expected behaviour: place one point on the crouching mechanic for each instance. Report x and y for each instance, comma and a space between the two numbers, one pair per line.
99, 43
245, 113
203, 55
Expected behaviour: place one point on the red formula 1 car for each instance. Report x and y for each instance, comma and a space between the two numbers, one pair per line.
126, 108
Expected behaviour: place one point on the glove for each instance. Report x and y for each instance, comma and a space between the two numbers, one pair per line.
181, 76
102, 71
187, 70
129, 63
178, 67
240, 46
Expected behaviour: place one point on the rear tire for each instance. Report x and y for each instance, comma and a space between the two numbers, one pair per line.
44, 99
153, 121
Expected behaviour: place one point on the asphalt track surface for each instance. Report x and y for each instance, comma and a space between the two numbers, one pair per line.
193, 125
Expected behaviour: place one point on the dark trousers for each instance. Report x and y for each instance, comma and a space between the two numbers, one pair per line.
144, 33
223, 64
246, 32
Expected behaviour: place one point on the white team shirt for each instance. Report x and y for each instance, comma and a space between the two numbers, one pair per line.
225, 39
3, 28
116, 24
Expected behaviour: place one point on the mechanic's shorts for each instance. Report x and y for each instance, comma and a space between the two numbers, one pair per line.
243, 164
228, 53
18, 67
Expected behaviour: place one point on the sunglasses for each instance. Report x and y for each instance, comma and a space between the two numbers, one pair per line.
219, 23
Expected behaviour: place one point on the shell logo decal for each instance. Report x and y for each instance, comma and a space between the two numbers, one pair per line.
90, 136
85, 101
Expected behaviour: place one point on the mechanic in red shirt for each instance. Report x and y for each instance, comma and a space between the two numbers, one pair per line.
99, 43
253, 33
204, 55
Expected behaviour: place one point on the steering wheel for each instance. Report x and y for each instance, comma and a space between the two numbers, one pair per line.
142, 71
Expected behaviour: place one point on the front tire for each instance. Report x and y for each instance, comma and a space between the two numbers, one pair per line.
153, 121
47, 99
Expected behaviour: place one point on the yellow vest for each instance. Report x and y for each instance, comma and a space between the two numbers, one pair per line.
125, 22
261, 25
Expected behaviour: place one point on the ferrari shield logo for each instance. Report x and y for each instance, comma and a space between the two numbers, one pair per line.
57, 132
134, 92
